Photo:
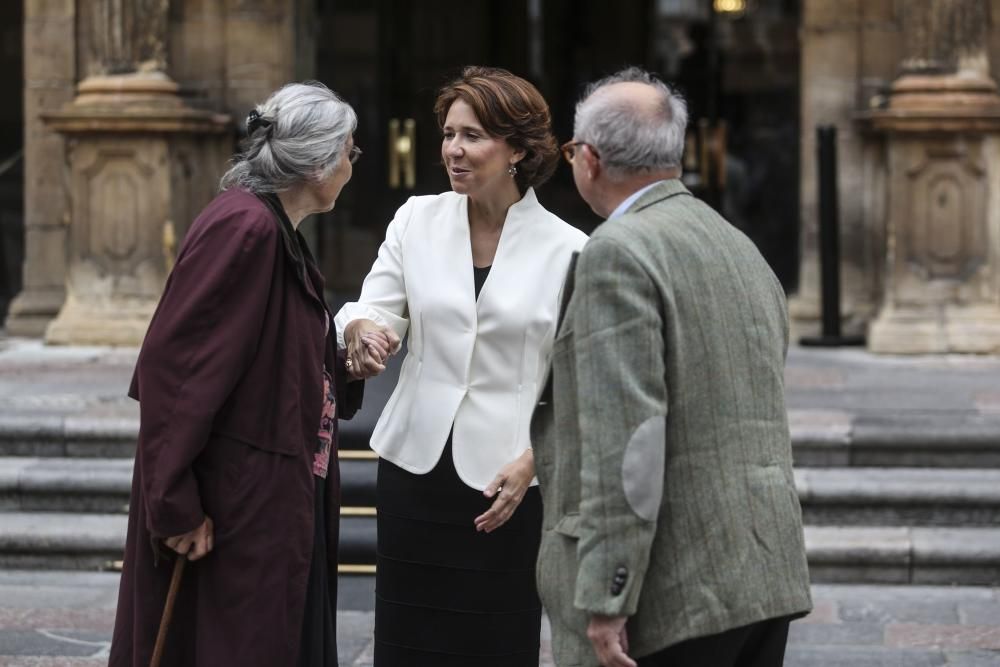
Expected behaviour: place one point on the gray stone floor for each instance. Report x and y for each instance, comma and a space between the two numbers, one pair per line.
64, 619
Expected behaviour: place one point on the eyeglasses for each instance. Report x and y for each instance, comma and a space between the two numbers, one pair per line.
354, 154
569, 150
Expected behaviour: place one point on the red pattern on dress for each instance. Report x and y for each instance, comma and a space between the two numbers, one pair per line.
321, 459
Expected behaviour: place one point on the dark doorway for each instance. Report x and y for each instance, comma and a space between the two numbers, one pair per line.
11, 154
389, 58
738, 69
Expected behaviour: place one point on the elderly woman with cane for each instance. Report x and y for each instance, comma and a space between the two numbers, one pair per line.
240, 385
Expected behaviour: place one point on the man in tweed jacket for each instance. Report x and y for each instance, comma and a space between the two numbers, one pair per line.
672, 532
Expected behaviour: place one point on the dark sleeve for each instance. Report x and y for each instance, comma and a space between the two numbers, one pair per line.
349, 392
200, 342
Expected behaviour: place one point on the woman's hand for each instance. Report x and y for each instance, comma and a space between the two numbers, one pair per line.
508, 487
368, 347
196, 543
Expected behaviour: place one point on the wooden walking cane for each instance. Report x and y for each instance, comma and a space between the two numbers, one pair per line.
168, 610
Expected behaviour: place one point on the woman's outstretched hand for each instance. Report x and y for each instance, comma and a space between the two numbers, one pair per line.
368, 347
508, 487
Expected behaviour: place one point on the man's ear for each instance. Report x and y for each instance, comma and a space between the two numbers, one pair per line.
592, 165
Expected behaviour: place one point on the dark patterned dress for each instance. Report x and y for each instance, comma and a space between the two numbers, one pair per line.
319, 641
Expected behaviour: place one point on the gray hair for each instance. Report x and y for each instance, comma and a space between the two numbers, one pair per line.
629, 140
301, 134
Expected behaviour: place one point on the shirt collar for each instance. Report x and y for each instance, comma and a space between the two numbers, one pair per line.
631, 199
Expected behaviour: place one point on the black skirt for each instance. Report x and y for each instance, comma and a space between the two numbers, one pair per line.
445, 594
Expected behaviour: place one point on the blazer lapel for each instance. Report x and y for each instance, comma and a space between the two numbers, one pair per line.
462, 256
545, 398
508, 247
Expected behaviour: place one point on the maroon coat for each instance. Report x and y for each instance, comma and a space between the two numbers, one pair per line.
230, 386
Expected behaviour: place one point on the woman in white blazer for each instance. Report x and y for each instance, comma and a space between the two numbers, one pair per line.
459, 516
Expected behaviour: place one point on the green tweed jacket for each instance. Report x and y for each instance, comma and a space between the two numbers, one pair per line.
661, 441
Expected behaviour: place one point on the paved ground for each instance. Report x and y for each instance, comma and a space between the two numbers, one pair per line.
827, 389
50, 619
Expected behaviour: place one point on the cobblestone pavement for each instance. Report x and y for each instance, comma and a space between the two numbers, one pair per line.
64, 619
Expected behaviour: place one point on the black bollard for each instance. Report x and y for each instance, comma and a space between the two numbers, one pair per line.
829, 243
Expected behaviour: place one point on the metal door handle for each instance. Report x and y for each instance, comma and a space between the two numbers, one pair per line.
402, 154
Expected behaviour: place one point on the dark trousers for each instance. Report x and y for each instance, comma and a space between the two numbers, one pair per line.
756, 645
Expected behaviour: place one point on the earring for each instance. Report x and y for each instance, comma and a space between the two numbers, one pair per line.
512, 170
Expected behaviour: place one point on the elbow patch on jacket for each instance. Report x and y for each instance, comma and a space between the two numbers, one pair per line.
642, 467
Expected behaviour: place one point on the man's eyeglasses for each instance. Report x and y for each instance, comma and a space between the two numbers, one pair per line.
354, 154
569, 150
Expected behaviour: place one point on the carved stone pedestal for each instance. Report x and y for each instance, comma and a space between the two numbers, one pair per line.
141, 165
942, 281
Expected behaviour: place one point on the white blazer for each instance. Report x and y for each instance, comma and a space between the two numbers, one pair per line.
473, 364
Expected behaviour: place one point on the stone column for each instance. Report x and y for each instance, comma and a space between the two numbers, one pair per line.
49, 76
139, 161
941, 130
850, 48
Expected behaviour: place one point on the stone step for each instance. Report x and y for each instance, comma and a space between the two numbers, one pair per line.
829, 496
899, 496
357, 481
76, 436
78, 541
968, 556
103, 485
61, 541
890, 555
946, 439
103, 436
65, 484
828, 438
90, 436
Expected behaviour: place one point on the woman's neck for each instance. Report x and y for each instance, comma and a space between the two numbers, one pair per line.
297, 204
489, 211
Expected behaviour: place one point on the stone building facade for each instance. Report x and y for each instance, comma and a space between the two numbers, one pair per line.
102, 184
919, 232
915, 267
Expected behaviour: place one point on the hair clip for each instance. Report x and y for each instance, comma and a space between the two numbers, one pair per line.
255, 121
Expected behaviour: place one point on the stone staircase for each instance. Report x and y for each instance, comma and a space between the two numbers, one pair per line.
899, 496
888, 495
63, 504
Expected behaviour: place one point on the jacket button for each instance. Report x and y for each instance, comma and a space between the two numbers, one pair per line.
618, 581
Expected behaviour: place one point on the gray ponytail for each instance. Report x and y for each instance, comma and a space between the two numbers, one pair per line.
299, 134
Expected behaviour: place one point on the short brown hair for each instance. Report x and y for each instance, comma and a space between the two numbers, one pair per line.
509, 108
